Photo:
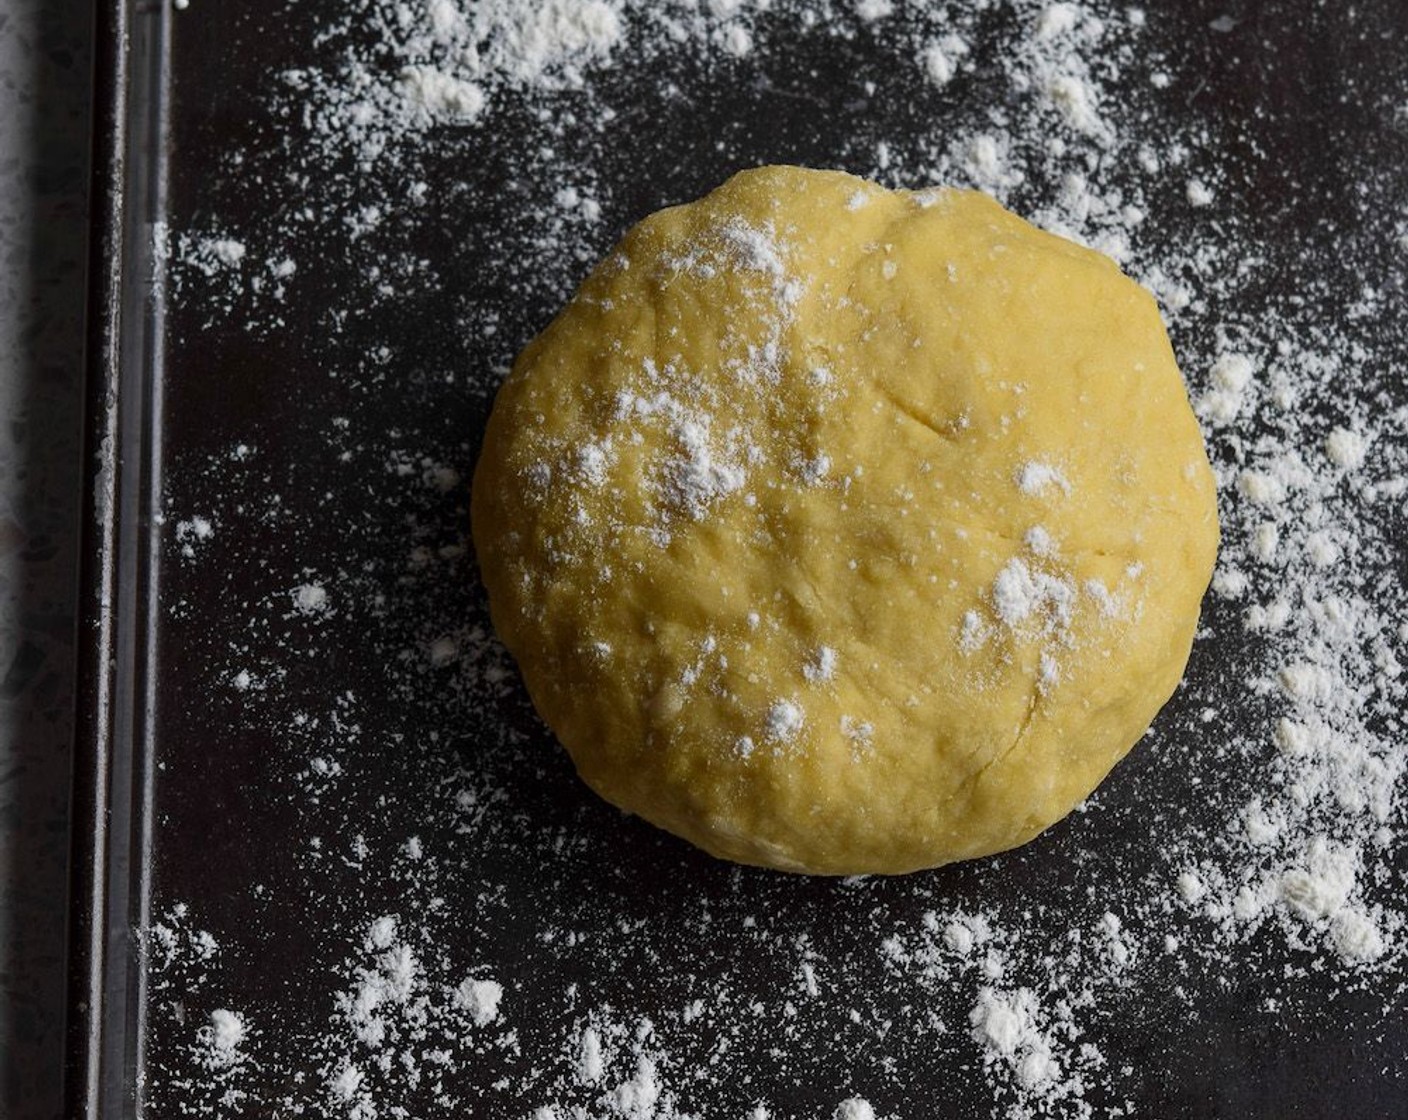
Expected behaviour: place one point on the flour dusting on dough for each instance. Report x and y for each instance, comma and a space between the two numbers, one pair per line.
1036, 477
1022, 596
784, 720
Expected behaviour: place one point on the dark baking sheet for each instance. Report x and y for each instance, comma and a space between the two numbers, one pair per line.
200, 807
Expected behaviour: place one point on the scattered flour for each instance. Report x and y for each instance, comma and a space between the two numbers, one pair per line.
225, 251
481, 999
1267, 854
697, 476
821, 666
1022, 597
784, 720
223, 1037
1199, 193
1006, 1025
1346, 448
941, 59
1036, 478
441, 94
195, 531
310, 598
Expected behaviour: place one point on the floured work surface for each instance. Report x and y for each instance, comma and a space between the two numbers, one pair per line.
379, 890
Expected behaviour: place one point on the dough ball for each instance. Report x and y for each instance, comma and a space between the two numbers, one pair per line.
844, 530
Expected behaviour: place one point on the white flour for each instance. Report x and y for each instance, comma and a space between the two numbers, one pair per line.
1269, 799
310, 598
784, 720
1037, 477
223, 1037
821, 666
1022, 597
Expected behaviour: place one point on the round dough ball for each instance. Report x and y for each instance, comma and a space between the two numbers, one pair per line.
846, 530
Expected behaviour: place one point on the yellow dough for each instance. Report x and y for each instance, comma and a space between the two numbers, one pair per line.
845, 530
